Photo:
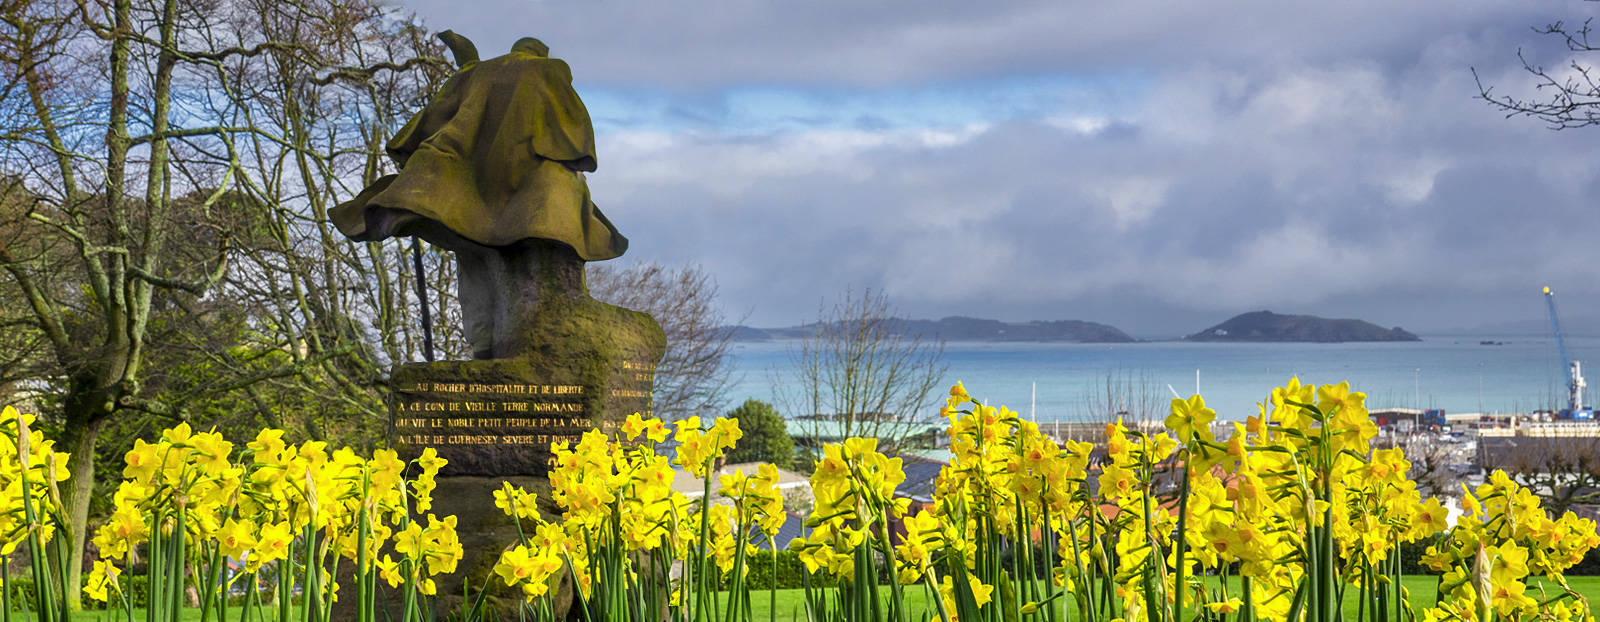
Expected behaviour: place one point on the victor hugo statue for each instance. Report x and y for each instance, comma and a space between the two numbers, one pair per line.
493, 170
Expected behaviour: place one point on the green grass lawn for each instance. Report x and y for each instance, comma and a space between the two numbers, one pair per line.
791, 603
187, 615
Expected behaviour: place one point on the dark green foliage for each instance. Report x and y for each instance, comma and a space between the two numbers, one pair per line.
21, 595
789, 571
766, 438
1411, 555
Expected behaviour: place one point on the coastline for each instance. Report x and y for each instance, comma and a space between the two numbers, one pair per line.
1452, 371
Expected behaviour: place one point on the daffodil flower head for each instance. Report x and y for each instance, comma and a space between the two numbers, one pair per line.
1191, 419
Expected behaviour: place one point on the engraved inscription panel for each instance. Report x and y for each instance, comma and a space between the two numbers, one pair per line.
507, 428
634, 390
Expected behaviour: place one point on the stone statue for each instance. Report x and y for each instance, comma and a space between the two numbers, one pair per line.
492, 169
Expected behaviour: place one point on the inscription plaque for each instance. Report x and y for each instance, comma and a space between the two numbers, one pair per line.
503, 428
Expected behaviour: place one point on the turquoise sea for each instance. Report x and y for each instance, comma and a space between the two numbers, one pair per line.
1453, 372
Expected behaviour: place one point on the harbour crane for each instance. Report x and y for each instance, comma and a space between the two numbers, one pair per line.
1575, 384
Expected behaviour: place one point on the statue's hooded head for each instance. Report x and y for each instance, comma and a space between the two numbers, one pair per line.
530, 45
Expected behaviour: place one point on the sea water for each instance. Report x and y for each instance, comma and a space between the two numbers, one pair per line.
1068, 382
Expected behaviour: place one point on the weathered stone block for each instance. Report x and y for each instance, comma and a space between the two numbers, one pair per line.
589, 365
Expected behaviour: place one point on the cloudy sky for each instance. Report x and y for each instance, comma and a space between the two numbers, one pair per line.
1153, 165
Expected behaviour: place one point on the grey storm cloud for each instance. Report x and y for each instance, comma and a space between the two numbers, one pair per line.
1324, 158
685, 46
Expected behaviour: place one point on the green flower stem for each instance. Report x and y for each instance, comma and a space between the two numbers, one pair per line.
153, 583
1086, 590
208, 596
1247, 613
703, 550
364, 595
899, 604
772, 588
933, 589
252, 593
179, 559
286, 589
577, 591
1178, 587
37, 557
736, 584
309, 594
5, 592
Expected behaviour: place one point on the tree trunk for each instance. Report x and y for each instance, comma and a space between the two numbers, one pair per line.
86, 409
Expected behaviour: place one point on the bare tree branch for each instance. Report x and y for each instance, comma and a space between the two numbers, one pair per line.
693, 375
857, 372
1567, 100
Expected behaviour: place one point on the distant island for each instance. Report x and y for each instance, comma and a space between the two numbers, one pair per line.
957, 328
1269, 326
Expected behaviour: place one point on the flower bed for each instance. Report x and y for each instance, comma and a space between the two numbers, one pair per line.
1293, 517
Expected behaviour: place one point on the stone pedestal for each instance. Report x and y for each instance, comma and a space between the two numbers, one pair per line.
565, 363
590, 365
572, 364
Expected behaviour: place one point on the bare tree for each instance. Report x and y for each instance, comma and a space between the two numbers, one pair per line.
694, 374
166, 163
1564, 98
1130, 395
857, 372
94, 152
25, 355
334, 80
1562, 470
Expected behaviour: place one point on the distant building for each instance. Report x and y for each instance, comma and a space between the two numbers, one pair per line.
1408, 419
922, 477
1544, 429
811, 432
794, 526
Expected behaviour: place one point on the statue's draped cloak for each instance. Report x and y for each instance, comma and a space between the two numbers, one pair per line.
493, 158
